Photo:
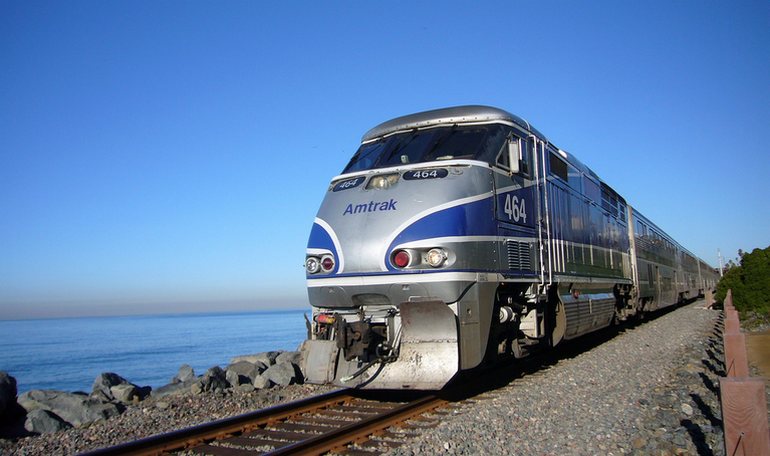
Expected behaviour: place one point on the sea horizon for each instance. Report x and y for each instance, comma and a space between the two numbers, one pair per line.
166, 314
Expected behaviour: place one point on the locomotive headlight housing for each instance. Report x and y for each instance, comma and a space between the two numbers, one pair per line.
382, 182
312, 265
436, 257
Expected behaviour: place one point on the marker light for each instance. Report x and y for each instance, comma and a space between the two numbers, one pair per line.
327, 263
401, 258
325, 319
312, 265
436, 257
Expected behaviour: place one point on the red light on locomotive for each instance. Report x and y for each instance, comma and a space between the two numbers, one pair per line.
401, 258
327, 263
325, 319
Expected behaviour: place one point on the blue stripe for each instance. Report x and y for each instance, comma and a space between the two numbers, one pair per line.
320, 239
472, 219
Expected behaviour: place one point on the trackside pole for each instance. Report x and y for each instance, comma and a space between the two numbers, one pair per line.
744, 406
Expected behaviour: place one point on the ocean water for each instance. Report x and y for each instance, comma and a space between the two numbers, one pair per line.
68, 353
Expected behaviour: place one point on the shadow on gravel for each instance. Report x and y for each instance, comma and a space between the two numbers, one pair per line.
708, 383
716, 370
714, 420
480, 380
698, 437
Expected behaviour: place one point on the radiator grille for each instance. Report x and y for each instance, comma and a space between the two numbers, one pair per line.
518, 255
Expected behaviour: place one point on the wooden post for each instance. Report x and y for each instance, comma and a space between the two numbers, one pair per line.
736, 358
709, 298
732, 326
744, 416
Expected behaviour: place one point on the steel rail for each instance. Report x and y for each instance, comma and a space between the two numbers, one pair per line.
182, 438
360, 430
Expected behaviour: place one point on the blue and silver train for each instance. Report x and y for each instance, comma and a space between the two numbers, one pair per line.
457, 236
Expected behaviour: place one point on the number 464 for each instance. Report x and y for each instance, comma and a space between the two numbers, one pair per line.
515, 208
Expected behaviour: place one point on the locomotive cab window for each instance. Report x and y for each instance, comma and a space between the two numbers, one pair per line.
478, 142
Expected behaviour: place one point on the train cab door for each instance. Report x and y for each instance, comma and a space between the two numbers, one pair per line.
516, 207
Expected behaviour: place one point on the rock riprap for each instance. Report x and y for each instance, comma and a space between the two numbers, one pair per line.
50, 411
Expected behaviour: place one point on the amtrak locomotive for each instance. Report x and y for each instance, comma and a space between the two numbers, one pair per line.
457, 236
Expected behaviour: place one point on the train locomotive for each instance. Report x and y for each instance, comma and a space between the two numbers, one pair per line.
457, 236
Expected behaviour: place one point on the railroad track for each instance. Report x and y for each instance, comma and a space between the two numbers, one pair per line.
340, 421
345, 421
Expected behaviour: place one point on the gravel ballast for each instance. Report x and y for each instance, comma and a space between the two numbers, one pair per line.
650, 389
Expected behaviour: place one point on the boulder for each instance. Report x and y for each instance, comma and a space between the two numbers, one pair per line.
7, 395
214, 379
74, 408
125, 393
261, 382
283, 374
247, 388
103, 383
243, 372
172, 389
41, 421
290, 357
267, 358
185, 374
232, 378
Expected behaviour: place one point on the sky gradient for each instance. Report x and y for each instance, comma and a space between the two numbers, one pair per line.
170, 156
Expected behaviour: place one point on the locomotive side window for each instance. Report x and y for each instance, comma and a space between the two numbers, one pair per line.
591, 190
558, 167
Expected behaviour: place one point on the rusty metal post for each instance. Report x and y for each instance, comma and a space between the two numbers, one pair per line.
744, 416
736, 357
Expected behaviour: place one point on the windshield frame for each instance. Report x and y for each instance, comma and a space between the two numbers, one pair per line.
398, 148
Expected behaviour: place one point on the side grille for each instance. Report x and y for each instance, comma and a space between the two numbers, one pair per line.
518, 255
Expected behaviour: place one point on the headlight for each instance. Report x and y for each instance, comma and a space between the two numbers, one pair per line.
382, 182
435, 257
312, 265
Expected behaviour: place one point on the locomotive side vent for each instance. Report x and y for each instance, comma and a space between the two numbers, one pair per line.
518, 255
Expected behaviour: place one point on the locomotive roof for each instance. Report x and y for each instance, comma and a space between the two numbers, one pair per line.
448, 116
470, 114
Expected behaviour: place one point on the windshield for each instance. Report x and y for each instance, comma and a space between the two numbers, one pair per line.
479, 142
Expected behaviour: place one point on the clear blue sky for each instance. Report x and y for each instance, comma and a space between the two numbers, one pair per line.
165, 156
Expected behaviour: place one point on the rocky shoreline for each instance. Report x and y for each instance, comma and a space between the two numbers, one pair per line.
116, 410
650, 389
